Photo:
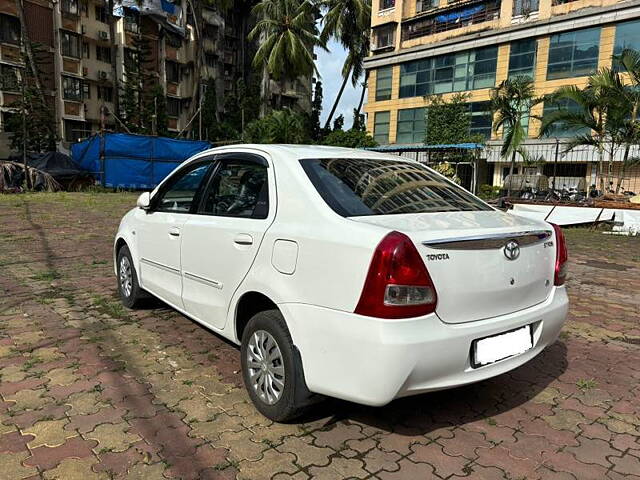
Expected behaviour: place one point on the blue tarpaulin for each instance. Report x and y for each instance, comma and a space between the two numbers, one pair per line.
133, 161
460, 14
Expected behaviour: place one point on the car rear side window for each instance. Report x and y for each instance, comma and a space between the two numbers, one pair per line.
358, 187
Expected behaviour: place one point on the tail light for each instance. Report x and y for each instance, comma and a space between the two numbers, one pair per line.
398, 284
561, 257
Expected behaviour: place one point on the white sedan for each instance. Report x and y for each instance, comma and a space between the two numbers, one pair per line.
344, 273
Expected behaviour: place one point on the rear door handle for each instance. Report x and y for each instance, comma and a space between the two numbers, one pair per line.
174, 231
243, 239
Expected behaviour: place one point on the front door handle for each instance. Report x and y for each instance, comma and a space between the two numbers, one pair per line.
243, 239
174, 231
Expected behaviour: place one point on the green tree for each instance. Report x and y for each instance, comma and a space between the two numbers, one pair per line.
137, 92
358, 121
315, 130
351, 138
629, 61
511, 104
447, 122
338, 123
32, 107
281, 126
288, 35
348, 21
590, 116
155, 108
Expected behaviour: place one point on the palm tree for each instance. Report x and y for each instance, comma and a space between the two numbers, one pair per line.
348, 21
629, 61
287, 33
511, 103
599, 113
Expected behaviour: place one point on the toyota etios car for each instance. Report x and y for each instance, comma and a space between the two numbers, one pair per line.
346, 273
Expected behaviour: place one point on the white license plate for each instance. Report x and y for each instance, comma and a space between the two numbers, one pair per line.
501, 346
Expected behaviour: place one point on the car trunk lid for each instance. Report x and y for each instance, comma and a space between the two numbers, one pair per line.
476, 275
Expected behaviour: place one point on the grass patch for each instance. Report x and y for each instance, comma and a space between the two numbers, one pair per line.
47, 276
586, 384
112, 308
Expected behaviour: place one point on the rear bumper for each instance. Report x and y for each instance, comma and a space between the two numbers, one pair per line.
372, 361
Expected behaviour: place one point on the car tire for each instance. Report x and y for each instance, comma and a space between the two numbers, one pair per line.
131, 295
283, 395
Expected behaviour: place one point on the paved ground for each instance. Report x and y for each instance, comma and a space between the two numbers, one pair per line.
91, 390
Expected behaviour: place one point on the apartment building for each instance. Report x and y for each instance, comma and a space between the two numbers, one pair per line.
87, 58
440, 47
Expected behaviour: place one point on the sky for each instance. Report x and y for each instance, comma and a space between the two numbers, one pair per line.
330, 66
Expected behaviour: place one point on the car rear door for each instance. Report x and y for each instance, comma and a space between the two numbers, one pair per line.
220, 241
160, 228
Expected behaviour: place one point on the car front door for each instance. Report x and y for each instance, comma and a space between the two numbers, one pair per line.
160, 228
221, 241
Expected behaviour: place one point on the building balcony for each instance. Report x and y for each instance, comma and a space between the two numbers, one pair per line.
453, 16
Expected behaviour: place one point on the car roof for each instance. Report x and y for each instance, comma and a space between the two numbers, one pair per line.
297, 152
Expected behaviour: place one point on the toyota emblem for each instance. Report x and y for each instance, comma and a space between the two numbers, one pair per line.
512, 250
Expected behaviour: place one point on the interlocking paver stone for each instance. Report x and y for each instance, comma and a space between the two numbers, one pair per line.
93, 390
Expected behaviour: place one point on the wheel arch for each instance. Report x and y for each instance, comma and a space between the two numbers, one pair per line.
249, 304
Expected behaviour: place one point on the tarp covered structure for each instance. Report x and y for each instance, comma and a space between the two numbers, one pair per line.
56, 164
133, 161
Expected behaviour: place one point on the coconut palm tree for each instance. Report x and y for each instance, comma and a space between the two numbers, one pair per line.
348, 22
287, 34
511, 102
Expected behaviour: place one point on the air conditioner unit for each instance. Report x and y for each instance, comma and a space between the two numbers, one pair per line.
102, 75
102, 35
85, 71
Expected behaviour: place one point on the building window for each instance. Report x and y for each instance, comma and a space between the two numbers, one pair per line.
384, 36
103, 54
173, 71
130, 60
386, 4
627, 36
105, 93
422, 5
173, 107
560, 129
381, 127
71, 88
173, 40
524, 7
101, 14
74, 130
481, 119
522, 58
9, 121
70, 43
411, 125
573, 54
86, 90
383, 83
70, 7
86, 50
472, 13
131, 21
210, 59
470, 70
9, 29
9, 78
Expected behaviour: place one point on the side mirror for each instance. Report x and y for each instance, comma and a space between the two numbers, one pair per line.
144, 201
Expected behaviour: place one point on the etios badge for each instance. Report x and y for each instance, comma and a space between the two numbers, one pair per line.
512, 250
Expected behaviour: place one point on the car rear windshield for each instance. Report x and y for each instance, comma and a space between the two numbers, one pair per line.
355, 187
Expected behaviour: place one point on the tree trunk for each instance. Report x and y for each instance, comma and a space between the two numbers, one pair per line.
26, 43
601, 169
335, 104
364, 89
511, 168
623, 167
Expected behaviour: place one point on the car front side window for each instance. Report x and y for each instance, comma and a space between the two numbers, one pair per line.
179, 196
239, 189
